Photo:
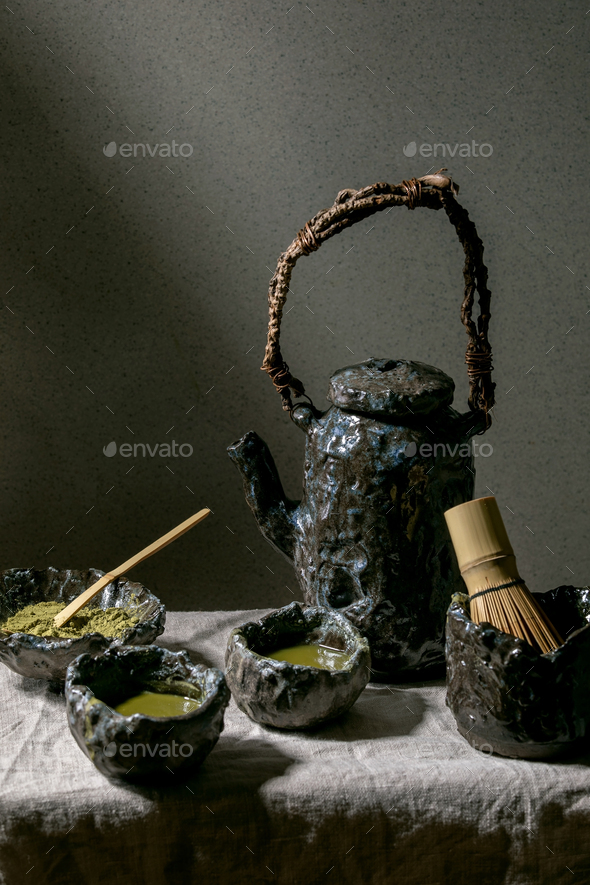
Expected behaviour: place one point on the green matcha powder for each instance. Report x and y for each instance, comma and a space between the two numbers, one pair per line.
37, 620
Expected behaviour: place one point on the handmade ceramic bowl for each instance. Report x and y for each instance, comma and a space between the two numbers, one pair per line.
510, 699
48, 658
289, 695
139, 747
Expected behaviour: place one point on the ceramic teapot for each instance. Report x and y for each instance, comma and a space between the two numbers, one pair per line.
382, 463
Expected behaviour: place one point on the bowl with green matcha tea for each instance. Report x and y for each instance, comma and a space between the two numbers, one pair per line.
124, 613
297, 667
145, 713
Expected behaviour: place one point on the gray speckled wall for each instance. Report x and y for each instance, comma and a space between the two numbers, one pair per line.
136, 286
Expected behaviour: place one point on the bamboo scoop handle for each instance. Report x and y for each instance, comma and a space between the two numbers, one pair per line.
80, 601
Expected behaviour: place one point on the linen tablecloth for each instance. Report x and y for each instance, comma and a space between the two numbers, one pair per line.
389, 793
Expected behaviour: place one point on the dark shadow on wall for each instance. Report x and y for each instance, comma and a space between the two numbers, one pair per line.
123, 334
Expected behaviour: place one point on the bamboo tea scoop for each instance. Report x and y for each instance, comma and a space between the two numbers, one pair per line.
80, 601
498, 595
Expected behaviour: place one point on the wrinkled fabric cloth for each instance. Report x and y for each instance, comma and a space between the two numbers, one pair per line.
388, 793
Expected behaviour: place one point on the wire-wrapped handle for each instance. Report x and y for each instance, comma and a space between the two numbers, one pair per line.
434, 191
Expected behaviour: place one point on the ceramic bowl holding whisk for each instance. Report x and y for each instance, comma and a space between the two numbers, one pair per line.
509, 698
46, 657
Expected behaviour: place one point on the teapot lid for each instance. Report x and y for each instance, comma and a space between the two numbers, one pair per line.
390, 388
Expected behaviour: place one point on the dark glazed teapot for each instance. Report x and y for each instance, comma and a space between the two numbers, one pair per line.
382, 464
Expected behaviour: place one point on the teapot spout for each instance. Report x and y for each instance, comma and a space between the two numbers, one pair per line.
264, 492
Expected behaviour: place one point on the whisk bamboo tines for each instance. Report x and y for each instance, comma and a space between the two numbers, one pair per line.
497, 593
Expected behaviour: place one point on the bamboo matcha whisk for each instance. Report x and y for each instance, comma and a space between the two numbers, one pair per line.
497, 593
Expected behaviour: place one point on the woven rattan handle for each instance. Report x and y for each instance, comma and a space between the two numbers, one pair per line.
432, 191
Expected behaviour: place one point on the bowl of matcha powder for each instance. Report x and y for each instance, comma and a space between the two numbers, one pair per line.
124, 613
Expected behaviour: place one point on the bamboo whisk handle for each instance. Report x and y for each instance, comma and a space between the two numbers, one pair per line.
497, 593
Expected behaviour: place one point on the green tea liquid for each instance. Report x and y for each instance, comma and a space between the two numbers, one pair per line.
320, 656
152, 703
